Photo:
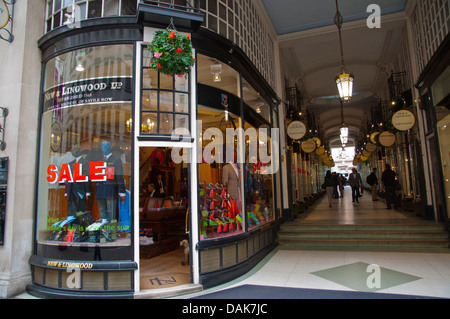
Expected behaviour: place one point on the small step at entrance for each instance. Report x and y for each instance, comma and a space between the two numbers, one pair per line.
371, 235
168, 292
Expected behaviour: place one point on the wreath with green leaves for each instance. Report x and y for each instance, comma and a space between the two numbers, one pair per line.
171, 53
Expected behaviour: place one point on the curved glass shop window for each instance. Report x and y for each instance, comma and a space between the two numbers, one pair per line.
236, 192
219, 172
84, 206
260, 165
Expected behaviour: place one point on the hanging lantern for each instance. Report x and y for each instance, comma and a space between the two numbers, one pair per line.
344, 84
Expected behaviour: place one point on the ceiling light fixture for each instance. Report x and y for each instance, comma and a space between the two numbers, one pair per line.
344, 81
344, 131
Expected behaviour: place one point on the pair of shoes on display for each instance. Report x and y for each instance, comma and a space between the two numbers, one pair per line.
58, 235
84, 237
97, 225
53, 235
62, 235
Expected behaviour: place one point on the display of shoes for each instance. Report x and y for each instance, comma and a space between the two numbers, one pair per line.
81, 238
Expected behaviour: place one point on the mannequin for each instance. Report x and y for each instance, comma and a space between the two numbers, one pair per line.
77, 193
157, 157
230, 177
107, 192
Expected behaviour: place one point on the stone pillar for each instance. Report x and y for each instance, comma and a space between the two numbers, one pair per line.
20, 77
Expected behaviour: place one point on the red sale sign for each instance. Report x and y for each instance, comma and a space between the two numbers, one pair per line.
98, 172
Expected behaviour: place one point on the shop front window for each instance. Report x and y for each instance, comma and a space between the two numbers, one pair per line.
444, 143
236, 181
258, 185
84, 205
165, 101
220, 182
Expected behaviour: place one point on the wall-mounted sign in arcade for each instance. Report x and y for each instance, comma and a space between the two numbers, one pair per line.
371, 147
309, 146
403, 120
373, 136
387, 138
92, 91
6, 19
296, 130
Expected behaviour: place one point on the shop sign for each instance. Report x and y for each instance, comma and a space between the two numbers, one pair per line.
309, 146
387, 138
70, 265
56, 137
318, 141
4, 14
365, 153
296, 130
101, 90
403, 120
373, 136
98, 172
371, 147
320, 151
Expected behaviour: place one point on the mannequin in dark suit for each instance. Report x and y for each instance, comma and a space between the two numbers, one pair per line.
77, 192
107, 192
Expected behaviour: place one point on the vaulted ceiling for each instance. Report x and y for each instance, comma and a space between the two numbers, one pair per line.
309, 43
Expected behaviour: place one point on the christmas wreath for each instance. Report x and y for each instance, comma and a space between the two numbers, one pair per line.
171, 52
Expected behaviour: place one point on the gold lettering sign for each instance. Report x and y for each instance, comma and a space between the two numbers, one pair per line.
64, 264
403, 120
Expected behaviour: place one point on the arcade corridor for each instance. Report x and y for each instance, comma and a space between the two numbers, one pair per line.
332, 272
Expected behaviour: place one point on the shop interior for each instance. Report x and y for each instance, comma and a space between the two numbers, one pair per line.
221, 191
163, 219
81, 212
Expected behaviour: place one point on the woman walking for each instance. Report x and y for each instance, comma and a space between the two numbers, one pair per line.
329, 186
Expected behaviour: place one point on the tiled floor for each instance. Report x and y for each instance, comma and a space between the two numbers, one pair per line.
415, 272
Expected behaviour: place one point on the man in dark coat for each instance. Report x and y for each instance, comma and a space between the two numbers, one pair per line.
388, 180
372, 180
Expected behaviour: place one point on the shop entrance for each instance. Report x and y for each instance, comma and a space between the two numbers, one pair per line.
163, 220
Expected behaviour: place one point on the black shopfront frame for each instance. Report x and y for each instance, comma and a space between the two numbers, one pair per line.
126, 30
92, 33
255, 243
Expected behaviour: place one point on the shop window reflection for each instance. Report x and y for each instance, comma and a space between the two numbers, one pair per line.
258, 183
236, 194
444, 143
220, 187
85, 153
